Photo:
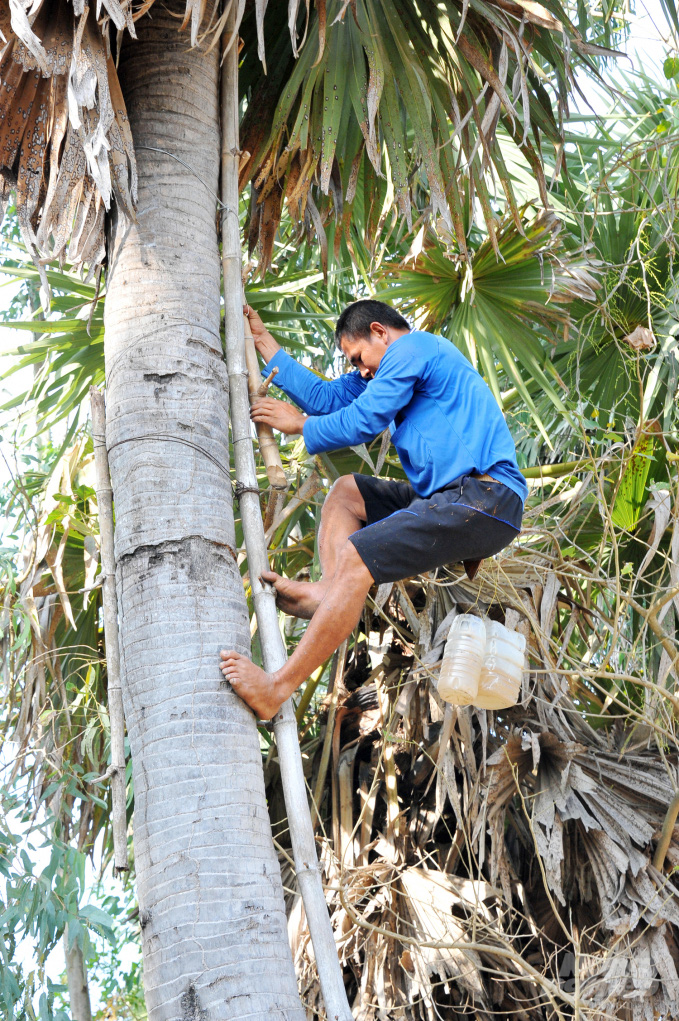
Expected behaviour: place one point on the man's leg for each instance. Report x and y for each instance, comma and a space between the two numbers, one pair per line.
335, 618
471, 519
343, 514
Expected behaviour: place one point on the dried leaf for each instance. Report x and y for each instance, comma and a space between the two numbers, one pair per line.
641, 339
22, 29
322, 21
260, 11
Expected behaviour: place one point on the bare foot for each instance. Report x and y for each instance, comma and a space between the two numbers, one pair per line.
298, 598
254, 686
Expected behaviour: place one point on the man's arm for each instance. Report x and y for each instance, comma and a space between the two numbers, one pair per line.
387, 394
314, 395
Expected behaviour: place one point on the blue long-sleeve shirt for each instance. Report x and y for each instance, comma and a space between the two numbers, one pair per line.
443, 418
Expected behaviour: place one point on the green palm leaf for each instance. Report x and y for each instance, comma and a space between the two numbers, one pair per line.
426, 87
491, 312
67, 357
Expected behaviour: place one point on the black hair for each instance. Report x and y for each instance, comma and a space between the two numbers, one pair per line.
356, 318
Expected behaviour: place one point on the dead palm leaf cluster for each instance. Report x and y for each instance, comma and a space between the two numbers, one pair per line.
513, 863
65, 142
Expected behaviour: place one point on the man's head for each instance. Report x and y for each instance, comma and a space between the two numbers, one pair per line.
364, 332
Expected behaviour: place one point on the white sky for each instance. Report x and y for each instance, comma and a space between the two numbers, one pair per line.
648, 26
649, 43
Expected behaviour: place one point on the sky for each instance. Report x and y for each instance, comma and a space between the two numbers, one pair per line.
649, 26
650, 40
649, 43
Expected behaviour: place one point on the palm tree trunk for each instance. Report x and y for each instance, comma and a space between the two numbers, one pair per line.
210, 896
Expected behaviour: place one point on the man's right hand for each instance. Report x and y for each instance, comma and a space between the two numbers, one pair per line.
278, 414
264, 342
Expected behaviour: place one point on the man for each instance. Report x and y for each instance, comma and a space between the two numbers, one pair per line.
465, 497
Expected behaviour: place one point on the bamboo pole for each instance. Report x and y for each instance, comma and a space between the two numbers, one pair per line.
76, 979
273, 647
267, 443
116, 770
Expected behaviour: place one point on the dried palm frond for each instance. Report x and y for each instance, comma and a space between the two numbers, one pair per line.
394, 87
65, 143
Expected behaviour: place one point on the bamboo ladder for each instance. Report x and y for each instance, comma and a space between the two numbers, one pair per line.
240, 349
116, 771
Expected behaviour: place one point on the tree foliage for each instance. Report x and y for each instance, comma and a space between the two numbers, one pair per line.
355, 92
475, 861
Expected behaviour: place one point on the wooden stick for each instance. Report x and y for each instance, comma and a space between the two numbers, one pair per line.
110, 605
337, 673
261, 392
273, 648
267, 441
276, 497
76, 978
306, 492
666, 834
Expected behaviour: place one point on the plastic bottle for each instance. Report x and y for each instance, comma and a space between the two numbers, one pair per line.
503, 664
462, 660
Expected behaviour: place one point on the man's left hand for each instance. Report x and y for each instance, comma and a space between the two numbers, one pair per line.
278, 414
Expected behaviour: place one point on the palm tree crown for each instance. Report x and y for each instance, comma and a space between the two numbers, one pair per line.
351, 92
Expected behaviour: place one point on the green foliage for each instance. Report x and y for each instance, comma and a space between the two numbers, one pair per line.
671, 67
490, 311
67, 357
36, 907
403, 98
114, 958
632, 492
54, 723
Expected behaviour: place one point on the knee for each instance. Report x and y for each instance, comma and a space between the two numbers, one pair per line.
344, 493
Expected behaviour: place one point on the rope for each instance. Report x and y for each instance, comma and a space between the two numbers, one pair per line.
239, 488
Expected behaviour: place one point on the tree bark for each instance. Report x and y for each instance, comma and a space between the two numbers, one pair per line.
210, 895
76, 978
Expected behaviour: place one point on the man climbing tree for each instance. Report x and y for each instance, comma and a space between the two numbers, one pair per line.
464, 500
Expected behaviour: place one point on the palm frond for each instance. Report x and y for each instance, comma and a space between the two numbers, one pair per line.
491, 310
410, 93
68, 356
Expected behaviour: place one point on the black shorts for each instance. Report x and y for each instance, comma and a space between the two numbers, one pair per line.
405, 535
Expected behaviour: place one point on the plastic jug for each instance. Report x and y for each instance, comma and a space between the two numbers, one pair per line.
503, 664
462, 660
